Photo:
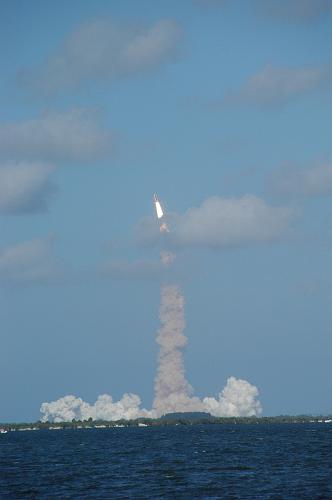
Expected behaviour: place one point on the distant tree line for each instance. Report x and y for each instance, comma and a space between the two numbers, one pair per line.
174, 419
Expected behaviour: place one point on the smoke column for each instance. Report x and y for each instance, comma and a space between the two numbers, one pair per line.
172, 390
173, 393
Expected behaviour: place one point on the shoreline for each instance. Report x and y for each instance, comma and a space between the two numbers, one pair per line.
163, 421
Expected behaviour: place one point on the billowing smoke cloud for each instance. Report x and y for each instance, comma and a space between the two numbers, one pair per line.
173, 393
237, 399
71, 407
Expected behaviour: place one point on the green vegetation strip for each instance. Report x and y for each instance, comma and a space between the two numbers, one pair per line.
167, 420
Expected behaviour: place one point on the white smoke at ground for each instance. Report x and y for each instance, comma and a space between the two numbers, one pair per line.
68, 408
237, 399
173, 393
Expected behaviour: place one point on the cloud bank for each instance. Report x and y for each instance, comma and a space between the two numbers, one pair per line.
31, 150
28, 262
57, 137
222, 222
276, 85
25, 187
104, 50
237, 399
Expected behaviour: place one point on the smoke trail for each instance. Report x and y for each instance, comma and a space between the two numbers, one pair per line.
172, 390
173, 393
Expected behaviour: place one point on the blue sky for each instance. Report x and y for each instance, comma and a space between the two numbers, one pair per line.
222, 108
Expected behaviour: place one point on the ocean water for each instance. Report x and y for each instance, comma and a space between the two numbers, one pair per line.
202, 461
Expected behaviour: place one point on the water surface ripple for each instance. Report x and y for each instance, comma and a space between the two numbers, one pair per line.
288, 461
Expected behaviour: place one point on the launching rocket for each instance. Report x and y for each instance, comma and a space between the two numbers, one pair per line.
159, 210
160, 215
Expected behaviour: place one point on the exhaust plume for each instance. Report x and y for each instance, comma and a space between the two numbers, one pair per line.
167, 258
172, 390
173, 393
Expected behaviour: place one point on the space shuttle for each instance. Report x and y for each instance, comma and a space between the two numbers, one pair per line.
160, 214
159, 210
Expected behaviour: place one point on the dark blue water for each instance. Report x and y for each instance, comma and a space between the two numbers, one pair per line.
202, 461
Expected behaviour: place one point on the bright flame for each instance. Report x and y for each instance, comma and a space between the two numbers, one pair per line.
159, 210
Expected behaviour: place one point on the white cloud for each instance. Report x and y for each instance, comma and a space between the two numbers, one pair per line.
28, 262
102, 49
275, 85
56, 137
25, 187
222, 222
309, 182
